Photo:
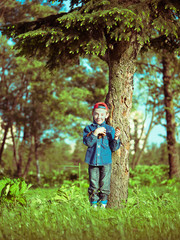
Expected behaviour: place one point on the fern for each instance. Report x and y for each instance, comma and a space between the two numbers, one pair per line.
12, 191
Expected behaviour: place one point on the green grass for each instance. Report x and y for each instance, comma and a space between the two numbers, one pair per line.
151, 213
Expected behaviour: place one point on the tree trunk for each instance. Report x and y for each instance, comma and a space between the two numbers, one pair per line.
37, 159
20, 161
136, 143
3, 142
139, 155
26, 170
170, 120
137, 140
14, 146
119, 100
21, 151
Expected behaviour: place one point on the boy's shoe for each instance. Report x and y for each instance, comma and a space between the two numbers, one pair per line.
103, 204
94, 204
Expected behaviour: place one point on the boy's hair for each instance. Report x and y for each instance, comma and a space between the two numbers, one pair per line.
100, 105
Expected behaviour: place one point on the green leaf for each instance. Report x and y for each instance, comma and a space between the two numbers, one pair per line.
2, 185
23, 187
22, 201
6, 190
14, 189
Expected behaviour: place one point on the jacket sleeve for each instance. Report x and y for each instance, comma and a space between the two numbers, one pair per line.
114, 144
89, 139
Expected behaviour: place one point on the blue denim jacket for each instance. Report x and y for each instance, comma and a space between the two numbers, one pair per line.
100, 150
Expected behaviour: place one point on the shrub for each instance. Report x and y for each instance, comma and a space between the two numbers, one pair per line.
55, 178
12, 191
148, 175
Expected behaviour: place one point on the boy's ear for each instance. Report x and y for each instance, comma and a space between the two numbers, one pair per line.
107, 115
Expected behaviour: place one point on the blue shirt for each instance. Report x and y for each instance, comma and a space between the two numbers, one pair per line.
99, 151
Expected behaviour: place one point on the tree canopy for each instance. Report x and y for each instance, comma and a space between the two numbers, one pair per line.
94, 27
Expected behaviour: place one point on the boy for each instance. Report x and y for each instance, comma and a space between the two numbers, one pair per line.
101, 140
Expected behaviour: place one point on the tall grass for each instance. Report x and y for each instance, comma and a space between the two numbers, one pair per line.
151, 213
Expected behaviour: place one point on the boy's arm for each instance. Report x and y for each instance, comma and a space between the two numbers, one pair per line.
89, 139
114, 144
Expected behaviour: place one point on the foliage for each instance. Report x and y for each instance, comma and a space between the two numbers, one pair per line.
12, 192
54, 154
13, 11
142, 175
48, 105
113, 30
55, 159
70, 191
95, 27
55, 178
148, 175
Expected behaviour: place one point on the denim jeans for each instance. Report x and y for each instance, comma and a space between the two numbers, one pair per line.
99, 178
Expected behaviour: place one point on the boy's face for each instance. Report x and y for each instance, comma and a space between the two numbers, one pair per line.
100, 115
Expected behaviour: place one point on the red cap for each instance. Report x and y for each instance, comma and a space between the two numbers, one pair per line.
100, 105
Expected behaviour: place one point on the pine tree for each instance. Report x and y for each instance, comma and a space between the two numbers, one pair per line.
115, 30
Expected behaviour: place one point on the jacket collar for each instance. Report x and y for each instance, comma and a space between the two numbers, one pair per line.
99, 125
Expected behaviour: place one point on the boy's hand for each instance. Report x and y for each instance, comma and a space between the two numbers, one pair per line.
117, 133
100, 130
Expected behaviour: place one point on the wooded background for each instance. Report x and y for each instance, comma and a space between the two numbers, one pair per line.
55, 65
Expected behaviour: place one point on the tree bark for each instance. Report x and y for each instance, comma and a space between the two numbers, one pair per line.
20, 160
170, 119
21, 149
37, 159
14, 146
26, 170
119, 100
4, 141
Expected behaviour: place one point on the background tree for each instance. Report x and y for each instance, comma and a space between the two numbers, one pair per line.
10, 93
162, 76
140, 134
170, 116
115, 31
45, 106
12, 11
54, 155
